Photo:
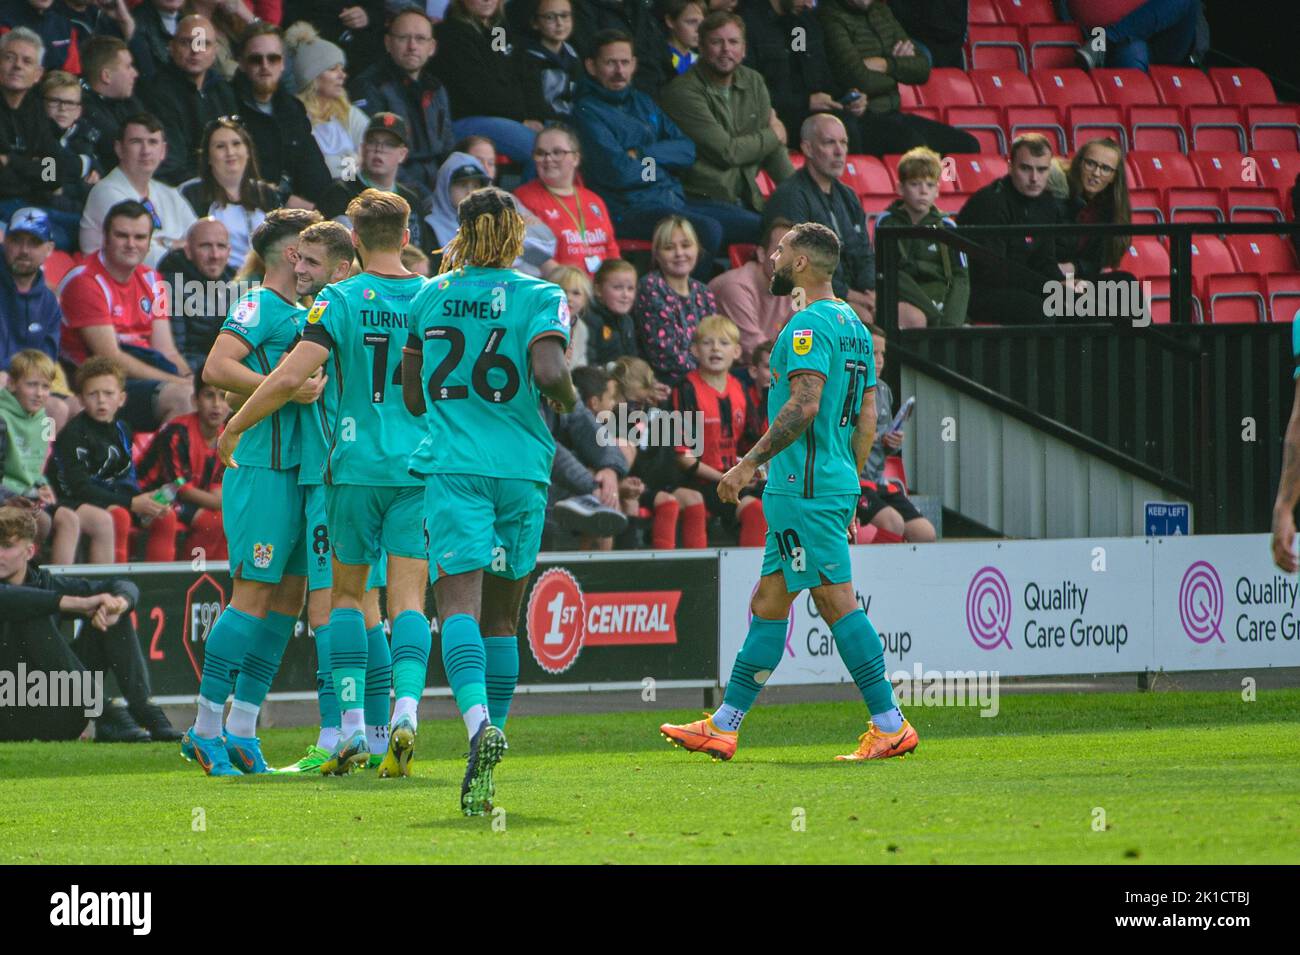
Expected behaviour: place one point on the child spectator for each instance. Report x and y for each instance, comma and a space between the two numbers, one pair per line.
586, 498
884, 503
611, 332
416, 261
549, 67
933, 280
186, 448
26, 433
93, 470
577, 287
655, 464
670, 302
760, 371
682, 19
61, 95
713, 394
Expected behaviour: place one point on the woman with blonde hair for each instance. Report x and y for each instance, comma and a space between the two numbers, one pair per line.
577, 288
337, 126
670, 302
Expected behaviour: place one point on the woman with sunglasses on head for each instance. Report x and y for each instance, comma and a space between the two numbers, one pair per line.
228, 187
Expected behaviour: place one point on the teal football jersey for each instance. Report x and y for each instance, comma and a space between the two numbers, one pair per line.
365, 321
312, 442
269, 325
828, 339
474, 327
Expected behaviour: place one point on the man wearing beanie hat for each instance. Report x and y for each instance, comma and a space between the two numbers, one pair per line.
336, 125
403, 83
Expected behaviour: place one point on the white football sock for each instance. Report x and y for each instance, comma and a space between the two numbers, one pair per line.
242, 720
329, 737
207, 721
474, 717
354, 721
405, 706
377, 736
728, 718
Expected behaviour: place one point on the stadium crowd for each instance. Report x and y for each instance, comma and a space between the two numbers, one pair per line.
652, 148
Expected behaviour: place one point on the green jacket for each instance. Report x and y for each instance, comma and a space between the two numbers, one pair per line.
28, 444
932, 276
731, 145
852, 35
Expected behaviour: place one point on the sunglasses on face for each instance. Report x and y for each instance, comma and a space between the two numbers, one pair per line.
271, 59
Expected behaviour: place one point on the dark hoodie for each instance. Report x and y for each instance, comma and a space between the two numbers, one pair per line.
30, 319
92, 464
609, 336
550, 80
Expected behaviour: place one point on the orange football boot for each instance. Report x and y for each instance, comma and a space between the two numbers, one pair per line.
702, 736
873, 744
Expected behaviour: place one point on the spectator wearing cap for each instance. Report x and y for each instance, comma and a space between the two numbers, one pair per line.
61, 38
140, 151
383, 149
108, 94
30, 317
287, 154
116, 307
228, 187
403, 81
336, 125
201, 266
32, 163
187, 94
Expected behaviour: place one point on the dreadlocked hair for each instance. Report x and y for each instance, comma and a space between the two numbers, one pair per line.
491, 233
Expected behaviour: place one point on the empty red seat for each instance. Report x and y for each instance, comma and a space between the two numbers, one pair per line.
1125, 87
1094, 121
1004, 88
1277, 170
1145, 205
1026, 11
1235, 298
1194, 204
983, 11
1215, 127
1036, 119
1146, 258
1209, 257
907, 97
1274, 127
894, 470
952, 204
765, 184
929, 112
1183, 86
1283, 293
1163, 170
873, 205
740, 253
1220, 169
866, 175
1244, 86
1156, 127
947, 87
1252, 204
1064, 88
982, 122
1159, 298
1051, 45
995, 47
1260, 254
976, 172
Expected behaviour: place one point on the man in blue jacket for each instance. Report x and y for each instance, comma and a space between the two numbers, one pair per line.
30, 316
630, 150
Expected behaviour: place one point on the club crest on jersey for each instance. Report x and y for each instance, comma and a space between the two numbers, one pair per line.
802, 341
244, 312
562, 316
317, 310
262, 555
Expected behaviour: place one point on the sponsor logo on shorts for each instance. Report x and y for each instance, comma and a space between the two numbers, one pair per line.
262, 555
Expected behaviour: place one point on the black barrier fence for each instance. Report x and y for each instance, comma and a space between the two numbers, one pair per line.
1197, 409
588, 622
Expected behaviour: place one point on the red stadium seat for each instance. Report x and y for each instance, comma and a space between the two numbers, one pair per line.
1163, 170
740, 253
995, 47
1244, 86
796, 160
140, 442
866, 175
1146, 258
1275, 127
907, 97
983, 11
874, 204
976, 172
982, 122
1254, 205
866, 533
765, 184
1220, 170
954, 203
1209, 257
1235, 299
1183, 86
1064, 88
635, 245
1094, 122
1159, 298
947, 87
1125, 87
1156, 127
57, 265
1194, 205
1277, 170
1145, 205
1004, 88
1260, 254
929, 112
1283, 293
1026, 11
894, 470
1036, 119
1215, 127
1051, 45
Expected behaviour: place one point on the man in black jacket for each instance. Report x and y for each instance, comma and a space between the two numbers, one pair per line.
288, 156
32, 601
402, 82
108, 94
186, 95
199, 288
1007, 284
155, 25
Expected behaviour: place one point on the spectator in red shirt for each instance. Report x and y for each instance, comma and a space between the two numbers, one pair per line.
584, 232
669, 302
186, 448
718, 398
115, 306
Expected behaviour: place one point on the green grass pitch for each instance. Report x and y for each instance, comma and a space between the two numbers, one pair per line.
1180, 777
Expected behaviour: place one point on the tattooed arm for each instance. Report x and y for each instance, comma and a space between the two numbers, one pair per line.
1288, 493
791, 421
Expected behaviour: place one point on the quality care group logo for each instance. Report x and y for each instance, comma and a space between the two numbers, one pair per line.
1200, 603
988, 609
